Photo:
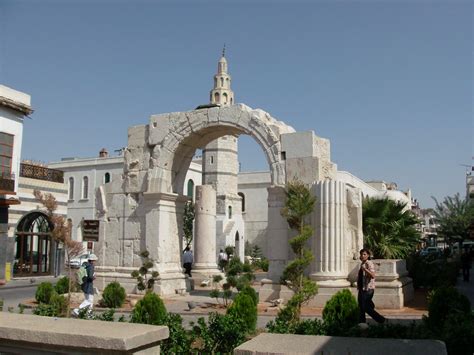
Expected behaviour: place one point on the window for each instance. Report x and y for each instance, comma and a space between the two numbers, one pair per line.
71, 188
222, 81
242, 196
212, 159
216, 97
6, 154
224, 97
106, 178
85, 187
191, 188
230, 212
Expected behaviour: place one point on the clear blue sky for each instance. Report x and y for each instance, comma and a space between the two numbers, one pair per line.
390, 83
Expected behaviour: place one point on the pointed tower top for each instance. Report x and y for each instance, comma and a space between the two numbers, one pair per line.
222, 94
223, 51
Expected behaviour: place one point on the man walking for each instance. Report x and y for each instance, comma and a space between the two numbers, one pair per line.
188, 261
87, 285
366, 288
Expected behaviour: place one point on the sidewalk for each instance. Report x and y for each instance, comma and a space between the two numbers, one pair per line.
22, 282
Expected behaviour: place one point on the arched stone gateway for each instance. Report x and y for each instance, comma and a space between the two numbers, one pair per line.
144, 209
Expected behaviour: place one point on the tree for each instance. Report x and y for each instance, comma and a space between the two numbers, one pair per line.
188, 223
454, 217
299, 204
389, 230
61, 233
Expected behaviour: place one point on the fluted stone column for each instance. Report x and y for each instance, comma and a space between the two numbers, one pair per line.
329, 245
205, 230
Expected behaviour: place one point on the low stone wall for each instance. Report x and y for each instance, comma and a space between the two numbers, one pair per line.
28, 334
273, 344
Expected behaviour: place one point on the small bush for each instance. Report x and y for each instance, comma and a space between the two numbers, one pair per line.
458, 334
309, 327
444, 302
244, 308
249, 290
340, 313
222, 334
179, 341
56, 307
149, 310
62, 286
114, 295
44, 292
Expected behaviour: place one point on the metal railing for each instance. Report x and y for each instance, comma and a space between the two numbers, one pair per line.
7, 182
41, 173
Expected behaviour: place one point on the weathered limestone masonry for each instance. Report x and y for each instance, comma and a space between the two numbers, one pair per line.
144, 210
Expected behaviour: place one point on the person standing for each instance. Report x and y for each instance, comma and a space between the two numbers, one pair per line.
87, 285
366, 288
188, 261
466, 264
222, 259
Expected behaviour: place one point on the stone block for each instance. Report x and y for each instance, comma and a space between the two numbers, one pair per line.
298, 144
137, 136
273, 344
305, 169
159, 128
21, 333
136, 181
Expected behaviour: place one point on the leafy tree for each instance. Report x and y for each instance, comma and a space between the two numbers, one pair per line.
61, 233
188, 220
389, 230
299, 204
454, 217
144, 280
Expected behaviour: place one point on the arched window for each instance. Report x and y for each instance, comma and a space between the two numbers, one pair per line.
71, 188
224, 97
230, 212
215, 82
222, 81
231, 101
227, 83
216, 97
190, 188
242, 196
33, 252
211, 160
106, 178
85, 187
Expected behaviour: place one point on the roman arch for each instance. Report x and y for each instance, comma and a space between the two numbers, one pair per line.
144, 209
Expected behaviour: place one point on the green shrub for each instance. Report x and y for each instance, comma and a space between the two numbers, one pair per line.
340, 313
444, 302
44, 292
458, 334
244, 308
432, 271
179, 341
114, 295
149, 310
56, 307
62, 286
249, 290
309, 327
222, 334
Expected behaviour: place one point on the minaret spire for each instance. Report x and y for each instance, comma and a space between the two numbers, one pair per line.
222, 94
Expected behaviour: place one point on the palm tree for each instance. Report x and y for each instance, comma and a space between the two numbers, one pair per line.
454, 216
389, 230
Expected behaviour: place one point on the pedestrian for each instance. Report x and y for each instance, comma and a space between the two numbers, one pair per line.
366, 288
466, 264
188, 261
222, 260
87, 285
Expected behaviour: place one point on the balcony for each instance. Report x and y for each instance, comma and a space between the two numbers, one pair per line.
41, 173
7, 183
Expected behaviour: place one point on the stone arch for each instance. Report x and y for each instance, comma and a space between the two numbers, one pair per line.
174, 138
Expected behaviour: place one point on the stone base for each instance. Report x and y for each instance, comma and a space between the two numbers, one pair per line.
168, 283
205, 274
388, 295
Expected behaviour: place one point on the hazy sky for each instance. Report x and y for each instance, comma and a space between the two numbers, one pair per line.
390, 83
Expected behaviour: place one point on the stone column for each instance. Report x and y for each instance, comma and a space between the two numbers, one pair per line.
205, 231
277, 244
329, 245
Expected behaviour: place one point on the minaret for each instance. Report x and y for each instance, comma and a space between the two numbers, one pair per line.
222, 94
220, 168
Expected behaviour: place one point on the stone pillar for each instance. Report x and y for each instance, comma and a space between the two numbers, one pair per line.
329, 244
205, 231
277, 244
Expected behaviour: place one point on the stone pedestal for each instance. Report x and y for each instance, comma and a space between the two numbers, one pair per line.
205, 263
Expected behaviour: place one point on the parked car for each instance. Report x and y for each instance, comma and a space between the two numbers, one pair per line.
431, 251
78, 261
